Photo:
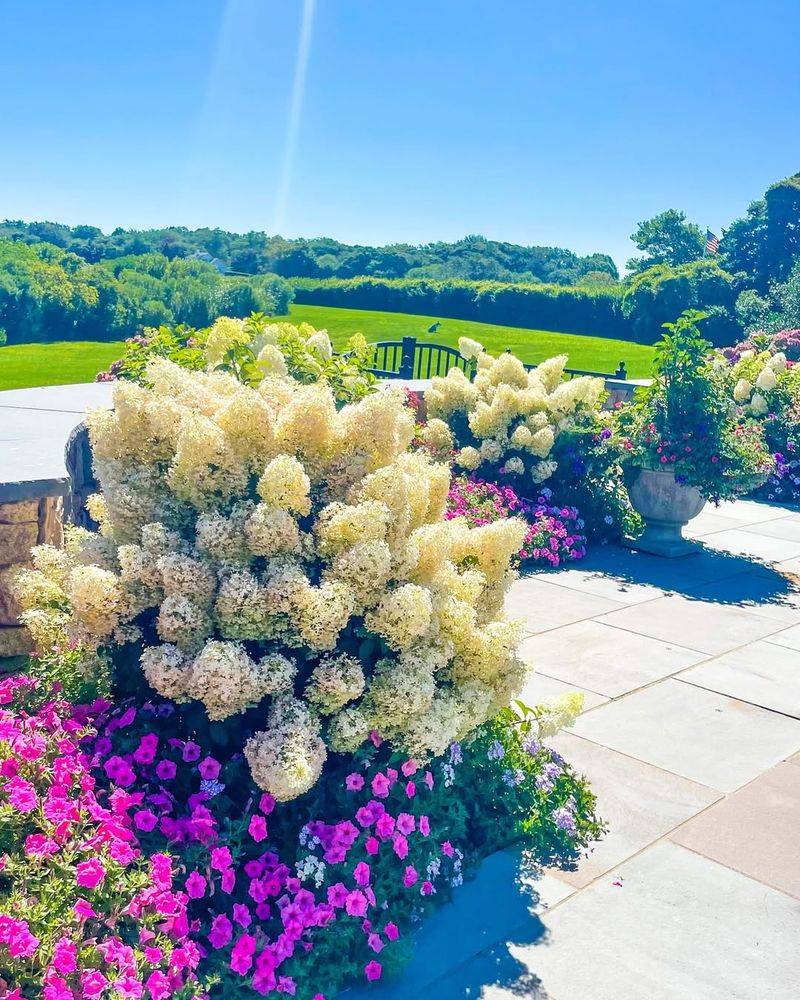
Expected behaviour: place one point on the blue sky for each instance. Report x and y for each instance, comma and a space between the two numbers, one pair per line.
539, 123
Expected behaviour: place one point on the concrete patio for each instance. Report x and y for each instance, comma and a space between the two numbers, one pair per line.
691, 739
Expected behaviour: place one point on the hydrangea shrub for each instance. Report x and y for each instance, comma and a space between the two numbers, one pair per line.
505, 421
286, 564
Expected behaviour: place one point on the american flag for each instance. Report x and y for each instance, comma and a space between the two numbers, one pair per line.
712, 243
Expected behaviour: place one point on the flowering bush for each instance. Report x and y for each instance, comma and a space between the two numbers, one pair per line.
139, 862
286, 566
766, 386
553, 535
505, 422
249, 349
685, 421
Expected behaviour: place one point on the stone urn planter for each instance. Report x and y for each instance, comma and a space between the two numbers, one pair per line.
666, 507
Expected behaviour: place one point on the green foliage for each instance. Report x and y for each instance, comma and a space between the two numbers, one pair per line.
472, 258
593, 310
778, 310
685, 421
654, 296
668, 239
765, 243
47, 294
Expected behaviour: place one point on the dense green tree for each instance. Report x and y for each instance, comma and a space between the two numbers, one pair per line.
659, 294
764, 245
667, 238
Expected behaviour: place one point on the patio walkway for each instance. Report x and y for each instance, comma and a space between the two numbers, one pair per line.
691, 739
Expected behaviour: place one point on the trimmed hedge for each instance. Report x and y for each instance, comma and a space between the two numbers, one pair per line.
589, 311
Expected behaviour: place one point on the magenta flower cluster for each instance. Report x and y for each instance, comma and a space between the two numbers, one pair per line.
554, 535
156, 884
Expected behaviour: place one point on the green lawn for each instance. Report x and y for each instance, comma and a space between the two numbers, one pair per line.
62, 362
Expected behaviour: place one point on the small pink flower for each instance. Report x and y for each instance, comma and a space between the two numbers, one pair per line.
354, 782
447, 849
65, 956
361, 874
374, 941
373, 971
258, 828
209, 769
372, 845
356, 903
89, 874
266, 803
221, 858
166, 770
411, 789
424, 826
410, 877
427, 888
380, 785
196, 886
241, 915
391, 931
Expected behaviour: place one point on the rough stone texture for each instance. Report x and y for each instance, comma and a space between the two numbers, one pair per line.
15, 513
16, 541
51, 521
14, 641
9, 609
754, 831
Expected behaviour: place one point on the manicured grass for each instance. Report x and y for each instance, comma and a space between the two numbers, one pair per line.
593, 353
60, 363
63, 362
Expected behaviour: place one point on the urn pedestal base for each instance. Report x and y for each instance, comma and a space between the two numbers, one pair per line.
666, 506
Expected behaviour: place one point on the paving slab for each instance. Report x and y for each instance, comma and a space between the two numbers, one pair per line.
605, 659
705, 524
754, 830
752, 511
709, 628
787, 528
503, 900
766, 593
680, 927
639, 802
762, 673
540, 688
704, 736
745, 542
601, 584
543, 606
789, 637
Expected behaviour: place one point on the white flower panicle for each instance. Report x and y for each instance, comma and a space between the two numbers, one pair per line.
294, 561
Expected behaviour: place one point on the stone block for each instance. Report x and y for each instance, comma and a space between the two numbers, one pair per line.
9, 608
14, 641
17, 540
17, 513
51, 521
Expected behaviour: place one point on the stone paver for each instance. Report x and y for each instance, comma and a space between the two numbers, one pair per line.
790, 638
605, 659
754, 830
601, 584
705, 524
762, 673
543, 606
747, 543
766, 594
639, 802
680, 927
709, 628
701, 735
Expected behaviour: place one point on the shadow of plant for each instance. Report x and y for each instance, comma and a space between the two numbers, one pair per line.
708, 575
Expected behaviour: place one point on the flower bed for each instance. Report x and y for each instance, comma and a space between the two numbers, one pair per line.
270, 726
138, 863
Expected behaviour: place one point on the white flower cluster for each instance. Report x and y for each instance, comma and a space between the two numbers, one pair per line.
287, 564
755, 377
507, 415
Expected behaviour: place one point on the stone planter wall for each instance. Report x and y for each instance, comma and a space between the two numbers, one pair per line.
23, 524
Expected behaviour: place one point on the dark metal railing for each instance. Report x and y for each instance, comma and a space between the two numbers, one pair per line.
407, 358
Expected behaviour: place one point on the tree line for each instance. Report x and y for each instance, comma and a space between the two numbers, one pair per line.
47, 293
473, 257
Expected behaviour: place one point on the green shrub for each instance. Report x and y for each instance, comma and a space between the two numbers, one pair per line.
591, 310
